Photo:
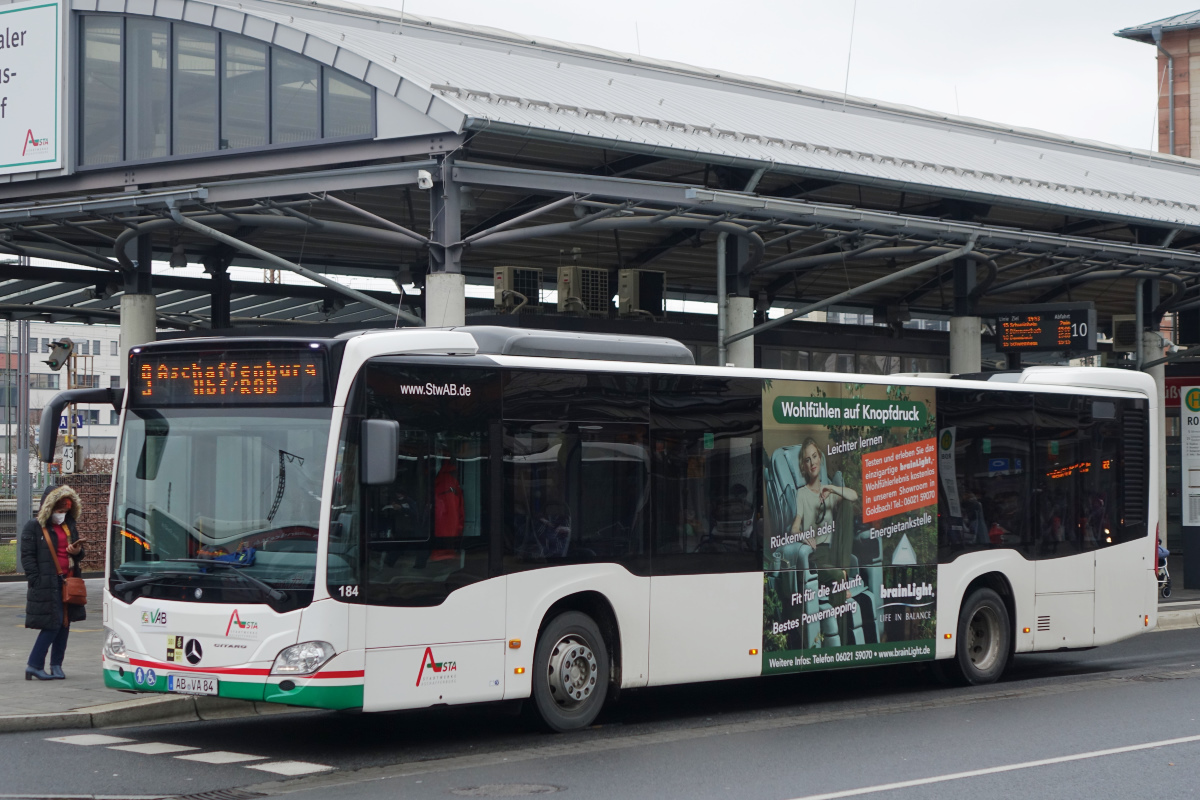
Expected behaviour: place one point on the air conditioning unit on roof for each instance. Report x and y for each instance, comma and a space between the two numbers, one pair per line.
518, 289
583, 290
1125, 333
642, 293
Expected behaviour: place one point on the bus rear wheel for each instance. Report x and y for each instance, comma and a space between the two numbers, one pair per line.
984, 638
570, 672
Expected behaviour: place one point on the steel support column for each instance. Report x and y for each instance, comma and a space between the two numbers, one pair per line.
217, 265
24, 487
138, 304
965, 326
445, 286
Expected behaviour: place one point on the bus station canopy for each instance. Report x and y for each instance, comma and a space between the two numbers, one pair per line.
489, 148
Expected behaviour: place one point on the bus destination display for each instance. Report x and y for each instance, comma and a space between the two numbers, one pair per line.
247, 377
1051, 329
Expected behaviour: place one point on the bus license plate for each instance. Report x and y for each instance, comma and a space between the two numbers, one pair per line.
191, 684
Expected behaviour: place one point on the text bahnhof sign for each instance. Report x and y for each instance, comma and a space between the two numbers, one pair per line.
1049, 329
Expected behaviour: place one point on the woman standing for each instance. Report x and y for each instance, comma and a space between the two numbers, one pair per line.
44, 568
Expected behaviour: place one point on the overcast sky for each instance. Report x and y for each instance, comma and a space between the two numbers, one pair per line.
1050, 64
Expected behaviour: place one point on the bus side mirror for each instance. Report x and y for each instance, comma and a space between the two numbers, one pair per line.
380, 448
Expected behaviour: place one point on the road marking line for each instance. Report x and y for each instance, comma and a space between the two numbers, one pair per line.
89, 739
975, 773
782, 719
154, 748
291, 768
220, 757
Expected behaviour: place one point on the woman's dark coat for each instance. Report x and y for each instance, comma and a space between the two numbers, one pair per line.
43, 601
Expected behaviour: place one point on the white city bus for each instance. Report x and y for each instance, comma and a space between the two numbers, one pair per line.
403, 519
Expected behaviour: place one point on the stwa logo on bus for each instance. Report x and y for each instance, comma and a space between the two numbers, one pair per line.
440, 672
1193, 400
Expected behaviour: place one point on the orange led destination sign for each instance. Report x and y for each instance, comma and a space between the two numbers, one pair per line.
1052, 328
231, 377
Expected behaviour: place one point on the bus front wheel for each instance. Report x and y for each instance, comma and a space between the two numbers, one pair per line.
570, 678
984, 638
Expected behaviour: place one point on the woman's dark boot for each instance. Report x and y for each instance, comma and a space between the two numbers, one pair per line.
40, 674
56, 672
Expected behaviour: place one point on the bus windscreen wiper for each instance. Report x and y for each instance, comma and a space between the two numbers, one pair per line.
149, 577
272, 592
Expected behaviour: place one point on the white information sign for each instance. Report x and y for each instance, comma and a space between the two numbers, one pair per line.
1189, 418
30, 53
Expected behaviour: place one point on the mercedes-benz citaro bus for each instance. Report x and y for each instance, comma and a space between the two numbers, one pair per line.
413, 518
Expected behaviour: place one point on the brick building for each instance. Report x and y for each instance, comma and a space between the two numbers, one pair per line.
1178, 41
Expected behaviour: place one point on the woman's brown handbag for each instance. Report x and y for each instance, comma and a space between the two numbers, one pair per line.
74, 589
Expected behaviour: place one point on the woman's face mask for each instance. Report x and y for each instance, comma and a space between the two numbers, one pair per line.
58, 517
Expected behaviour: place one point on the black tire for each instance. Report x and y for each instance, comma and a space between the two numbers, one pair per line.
984, 638
572, 641
1166, 588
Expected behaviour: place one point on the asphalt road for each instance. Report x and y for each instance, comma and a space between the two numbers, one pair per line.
1104, 719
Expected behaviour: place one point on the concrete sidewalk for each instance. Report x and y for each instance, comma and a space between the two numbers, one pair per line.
82, 700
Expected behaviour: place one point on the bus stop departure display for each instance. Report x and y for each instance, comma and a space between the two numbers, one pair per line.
1052, 329
246, 377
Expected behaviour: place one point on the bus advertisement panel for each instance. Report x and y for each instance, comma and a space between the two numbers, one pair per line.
850, 546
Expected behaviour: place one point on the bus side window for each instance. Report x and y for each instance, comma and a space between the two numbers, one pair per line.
992, 465
414, 541
422, 533
707, 459
575, 493
1062, 466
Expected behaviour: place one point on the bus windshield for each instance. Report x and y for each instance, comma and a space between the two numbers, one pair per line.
218, 504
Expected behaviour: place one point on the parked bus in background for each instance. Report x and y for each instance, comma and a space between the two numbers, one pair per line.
403, 519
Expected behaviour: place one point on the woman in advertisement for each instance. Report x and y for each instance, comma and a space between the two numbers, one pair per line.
816, 501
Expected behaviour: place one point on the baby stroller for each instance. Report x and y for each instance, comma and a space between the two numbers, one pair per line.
1162, 573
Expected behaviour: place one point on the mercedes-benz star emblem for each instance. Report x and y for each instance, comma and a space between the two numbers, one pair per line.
193, 651
198, 593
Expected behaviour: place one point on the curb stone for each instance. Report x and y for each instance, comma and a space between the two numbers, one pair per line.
1178, 620
143, 711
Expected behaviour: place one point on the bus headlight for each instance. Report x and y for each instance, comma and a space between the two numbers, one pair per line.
302, 659
114, 646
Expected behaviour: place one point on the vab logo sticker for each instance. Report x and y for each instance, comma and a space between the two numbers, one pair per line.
34, 142
1193, 400
439, 672
239, 628
154, 618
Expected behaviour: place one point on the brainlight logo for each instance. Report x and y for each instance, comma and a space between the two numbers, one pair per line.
34, 142
241, 629
440, 672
